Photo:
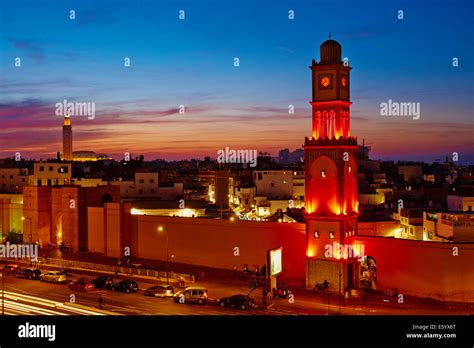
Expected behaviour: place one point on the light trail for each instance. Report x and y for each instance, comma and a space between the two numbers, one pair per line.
30, 304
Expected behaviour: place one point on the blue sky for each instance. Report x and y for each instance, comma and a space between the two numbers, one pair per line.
190, 62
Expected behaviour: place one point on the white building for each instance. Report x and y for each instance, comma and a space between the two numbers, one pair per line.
460, 201
457, 226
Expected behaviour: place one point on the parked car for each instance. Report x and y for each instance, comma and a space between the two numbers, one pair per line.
127, 286
11, 269
82, 284
53, 277
160, 291
29, 273
103, 282
237, 301
192, 294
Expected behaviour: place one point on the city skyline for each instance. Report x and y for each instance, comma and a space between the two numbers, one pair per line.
187, 62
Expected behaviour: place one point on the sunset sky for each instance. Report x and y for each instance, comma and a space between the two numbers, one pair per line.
190, 62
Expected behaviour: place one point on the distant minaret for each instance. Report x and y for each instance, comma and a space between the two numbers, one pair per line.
67, 139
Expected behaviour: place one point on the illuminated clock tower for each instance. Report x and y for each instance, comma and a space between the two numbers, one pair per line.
330, 172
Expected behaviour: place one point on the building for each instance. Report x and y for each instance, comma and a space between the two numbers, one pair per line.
461, 200
331, 170
222, 188
410, 172
274, 184
67, 138
50, 174
278, 190
411, 224
77, 156
55, 215
145, 185
457, 227
12, 180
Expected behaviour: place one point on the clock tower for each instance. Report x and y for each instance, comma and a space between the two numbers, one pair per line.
330, 173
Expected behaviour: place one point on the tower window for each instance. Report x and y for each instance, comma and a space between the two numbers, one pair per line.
316, 234
349, 169
323, 173
331, 235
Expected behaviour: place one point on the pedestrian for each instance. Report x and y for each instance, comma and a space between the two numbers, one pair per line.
101, 301
116, 273
234, 271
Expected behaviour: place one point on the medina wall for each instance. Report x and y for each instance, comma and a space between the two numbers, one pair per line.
220, 243
425, 269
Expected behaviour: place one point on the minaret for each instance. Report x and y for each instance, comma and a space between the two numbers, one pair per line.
67, 138
330, 170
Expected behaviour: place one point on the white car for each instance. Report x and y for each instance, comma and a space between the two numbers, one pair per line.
53, 277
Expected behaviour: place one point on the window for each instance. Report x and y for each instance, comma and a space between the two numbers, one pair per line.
49, 182
246, 201
22, 179
140, 192
152, 181
285, 182
141, 181
272, 185
38, 182
11, 176
50, 168
152, 191
259, 176
41, 169
62, 170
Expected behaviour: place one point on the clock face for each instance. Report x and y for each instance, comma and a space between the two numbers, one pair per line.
325, 81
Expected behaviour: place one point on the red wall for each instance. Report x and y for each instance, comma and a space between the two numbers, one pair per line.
211, 242
426, 269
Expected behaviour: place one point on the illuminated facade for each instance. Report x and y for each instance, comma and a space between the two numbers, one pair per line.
330, 170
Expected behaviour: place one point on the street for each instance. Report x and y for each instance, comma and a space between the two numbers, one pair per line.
138, 304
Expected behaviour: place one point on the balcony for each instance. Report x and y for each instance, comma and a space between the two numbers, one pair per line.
333, 141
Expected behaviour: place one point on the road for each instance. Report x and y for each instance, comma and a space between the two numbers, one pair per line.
120, 303
138, 304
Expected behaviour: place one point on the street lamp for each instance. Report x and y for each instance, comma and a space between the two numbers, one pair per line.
31, 227
168, 256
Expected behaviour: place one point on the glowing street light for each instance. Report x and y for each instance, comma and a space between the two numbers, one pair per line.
31, 227
168, 256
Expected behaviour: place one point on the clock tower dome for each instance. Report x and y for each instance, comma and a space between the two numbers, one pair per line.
330, 171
